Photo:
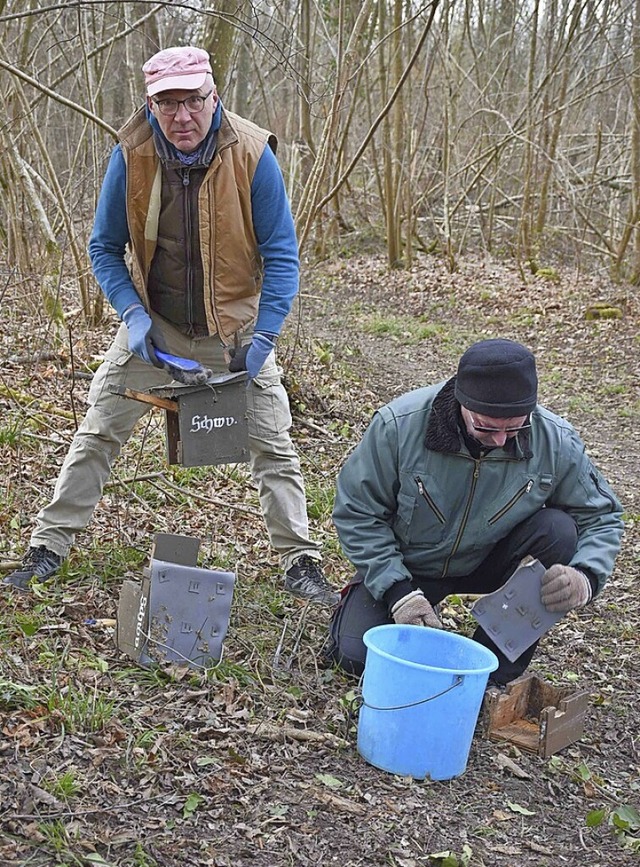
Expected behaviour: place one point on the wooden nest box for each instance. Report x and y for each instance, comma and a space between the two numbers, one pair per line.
535, 716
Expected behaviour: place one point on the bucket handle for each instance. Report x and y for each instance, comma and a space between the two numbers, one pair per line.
457, 682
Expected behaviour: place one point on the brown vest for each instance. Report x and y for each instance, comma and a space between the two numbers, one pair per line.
231, 264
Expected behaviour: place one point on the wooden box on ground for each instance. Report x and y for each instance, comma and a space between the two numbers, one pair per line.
535, 716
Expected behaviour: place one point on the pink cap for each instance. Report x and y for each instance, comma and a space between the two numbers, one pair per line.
177, 69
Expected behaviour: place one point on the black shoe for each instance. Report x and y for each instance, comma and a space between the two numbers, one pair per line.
39, 563
306, 579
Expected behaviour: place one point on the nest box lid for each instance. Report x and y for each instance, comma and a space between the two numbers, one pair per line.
176, 390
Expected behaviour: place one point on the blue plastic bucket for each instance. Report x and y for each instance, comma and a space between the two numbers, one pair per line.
422, 690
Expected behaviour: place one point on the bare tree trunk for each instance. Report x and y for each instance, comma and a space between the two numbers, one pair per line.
635, 155
347, 60
304, 140
527, 250
447, 143
218, 37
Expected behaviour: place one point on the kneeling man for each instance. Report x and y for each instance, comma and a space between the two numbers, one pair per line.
452, 486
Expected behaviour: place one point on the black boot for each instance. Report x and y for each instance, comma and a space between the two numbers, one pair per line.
306, 579
39, 563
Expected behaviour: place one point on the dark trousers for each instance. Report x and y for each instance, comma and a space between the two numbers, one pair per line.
550, 536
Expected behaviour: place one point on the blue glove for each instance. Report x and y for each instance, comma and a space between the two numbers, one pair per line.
142, 334
252, 356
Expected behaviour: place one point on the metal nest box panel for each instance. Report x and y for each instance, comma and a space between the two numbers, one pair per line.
189, 612
513, 616
210, 424
178, 613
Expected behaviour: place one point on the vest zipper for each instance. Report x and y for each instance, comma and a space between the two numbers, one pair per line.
186, 180
424, 493
463, 524
523, 490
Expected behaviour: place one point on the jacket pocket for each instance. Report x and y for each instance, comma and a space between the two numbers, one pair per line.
512, 503
418, 520
426, 496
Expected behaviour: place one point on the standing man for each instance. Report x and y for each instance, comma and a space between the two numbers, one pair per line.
195, 196
452, 486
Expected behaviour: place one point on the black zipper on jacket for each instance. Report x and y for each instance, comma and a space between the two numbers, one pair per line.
467, 509
425, 494
523, 490
605, 494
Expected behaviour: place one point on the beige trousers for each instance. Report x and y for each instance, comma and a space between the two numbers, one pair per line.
110, 420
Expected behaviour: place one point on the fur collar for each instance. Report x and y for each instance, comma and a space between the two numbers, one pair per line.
443, 432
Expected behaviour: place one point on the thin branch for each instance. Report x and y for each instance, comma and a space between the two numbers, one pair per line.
58, 97
383, 112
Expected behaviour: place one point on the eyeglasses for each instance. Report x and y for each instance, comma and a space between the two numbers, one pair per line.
193, 104
497, 430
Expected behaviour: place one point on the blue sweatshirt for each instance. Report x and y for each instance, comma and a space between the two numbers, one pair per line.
272, 223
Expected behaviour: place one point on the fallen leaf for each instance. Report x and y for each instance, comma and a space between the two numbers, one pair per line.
517, 808
503, 849
508, 764
328, 780
501, 816
536, 847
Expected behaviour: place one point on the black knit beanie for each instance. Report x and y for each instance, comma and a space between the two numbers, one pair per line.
497, 378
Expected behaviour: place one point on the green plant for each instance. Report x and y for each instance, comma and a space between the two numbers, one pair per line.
618, 388
141, 858
224, 670
450, 859
191, 805
146, 739
320, 500
57, 837
10, 436
14, 696
65, 786
624, 821
342, 428
28, 624
149, 678
144, 750
323, 352
548, 273
88, 659
81, 710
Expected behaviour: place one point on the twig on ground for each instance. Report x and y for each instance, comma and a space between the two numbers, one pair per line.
216, 501
280, 733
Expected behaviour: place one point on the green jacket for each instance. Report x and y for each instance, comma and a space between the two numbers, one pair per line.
412, 502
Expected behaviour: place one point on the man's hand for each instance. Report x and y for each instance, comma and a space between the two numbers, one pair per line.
143, 335
414, 609
563, 588
252, 356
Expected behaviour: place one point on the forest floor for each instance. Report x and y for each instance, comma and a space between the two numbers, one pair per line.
255, 762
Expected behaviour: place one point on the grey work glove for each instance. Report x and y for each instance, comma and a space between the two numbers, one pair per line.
563, 588
414, 609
